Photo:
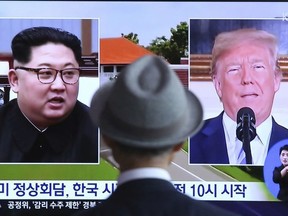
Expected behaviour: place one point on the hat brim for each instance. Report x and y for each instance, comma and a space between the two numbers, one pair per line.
192, 122
99, 101
195, 120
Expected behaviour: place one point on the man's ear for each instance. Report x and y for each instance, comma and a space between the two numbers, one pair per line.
217, 86
277, 79
13, 80
108, 141
178, 147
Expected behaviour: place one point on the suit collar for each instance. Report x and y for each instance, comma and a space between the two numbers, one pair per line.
140, 173
57, 136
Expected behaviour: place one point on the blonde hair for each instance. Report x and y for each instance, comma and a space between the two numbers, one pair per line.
227, 40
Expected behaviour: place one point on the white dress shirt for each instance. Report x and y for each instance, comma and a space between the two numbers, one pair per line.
259, 145
140, 173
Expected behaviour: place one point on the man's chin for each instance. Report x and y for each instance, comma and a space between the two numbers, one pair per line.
56, 116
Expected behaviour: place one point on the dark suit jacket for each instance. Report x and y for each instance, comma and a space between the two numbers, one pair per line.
152, 197
209, 144
283, 183
75, 139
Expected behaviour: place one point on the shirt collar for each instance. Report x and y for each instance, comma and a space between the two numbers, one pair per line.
140, 173
230, 127
264, 130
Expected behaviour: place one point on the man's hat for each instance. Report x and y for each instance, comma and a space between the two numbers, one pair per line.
146, 106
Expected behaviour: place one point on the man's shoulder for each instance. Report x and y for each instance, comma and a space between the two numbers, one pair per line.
82, 106
81, 113
210, 126
202, 208
216, 119
279, 132
80, 109
87, 212
279, 127
8, 107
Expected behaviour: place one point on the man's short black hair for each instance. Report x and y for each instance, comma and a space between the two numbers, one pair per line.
37, 36
285, 147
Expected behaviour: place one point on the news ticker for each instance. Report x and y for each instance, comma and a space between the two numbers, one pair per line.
51, 205
100, 190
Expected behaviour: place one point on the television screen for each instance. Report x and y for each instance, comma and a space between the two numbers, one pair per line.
113, 35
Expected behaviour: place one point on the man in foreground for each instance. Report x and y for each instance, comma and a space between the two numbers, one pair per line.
145, 116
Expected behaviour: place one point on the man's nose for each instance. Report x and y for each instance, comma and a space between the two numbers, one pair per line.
58, 82
247, 76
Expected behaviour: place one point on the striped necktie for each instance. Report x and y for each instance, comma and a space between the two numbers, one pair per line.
239, 151
241, 159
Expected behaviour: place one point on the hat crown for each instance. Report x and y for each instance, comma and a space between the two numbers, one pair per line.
148, 94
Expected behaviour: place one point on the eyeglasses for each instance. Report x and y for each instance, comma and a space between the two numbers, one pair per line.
48, 75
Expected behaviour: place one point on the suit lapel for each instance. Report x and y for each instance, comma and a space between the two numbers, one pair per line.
215, 145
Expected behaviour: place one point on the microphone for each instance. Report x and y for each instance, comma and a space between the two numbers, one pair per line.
246, 130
